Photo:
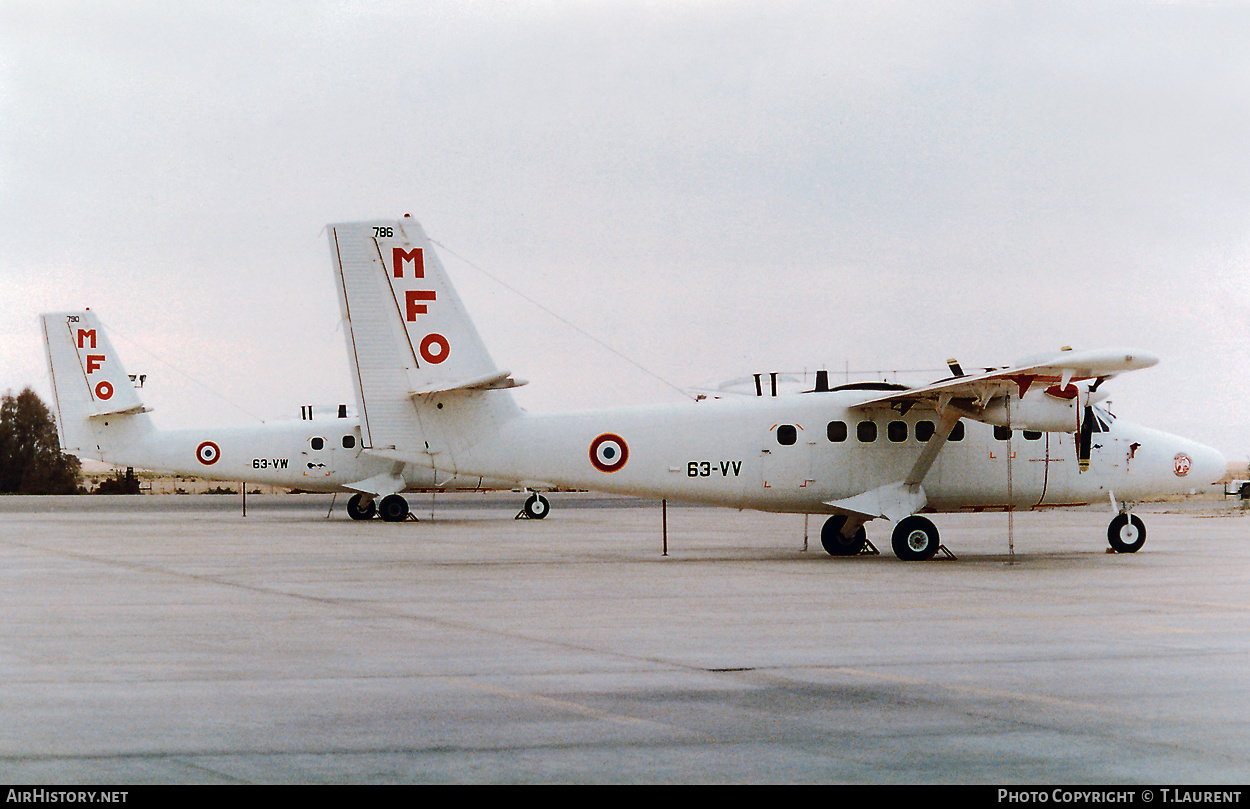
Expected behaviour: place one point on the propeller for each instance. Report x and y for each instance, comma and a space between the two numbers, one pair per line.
1084, 438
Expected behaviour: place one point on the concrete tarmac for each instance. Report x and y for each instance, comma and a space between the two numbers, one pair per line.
157, 640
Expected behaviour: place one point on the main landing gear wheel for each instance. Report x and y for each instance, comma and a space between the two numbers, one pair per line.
358, 512
393, 508
1126, 533
915, 539
837, 543
536, 507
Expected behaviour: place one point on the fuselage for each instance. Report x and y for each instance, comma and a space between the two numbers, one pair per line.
315, 455
799, 453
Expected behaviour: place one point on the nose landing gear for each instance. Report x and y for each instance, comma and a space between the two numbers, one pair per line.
1126, 533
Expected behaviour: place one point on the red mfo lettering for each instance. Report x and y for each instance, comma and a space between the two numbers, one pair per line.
434, 348
84, 335
416, 255
412, 297
94, 362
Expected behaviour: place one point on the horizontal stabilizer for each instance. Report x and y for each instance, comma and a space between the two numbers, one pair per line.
495, 381
893, 501
129, 411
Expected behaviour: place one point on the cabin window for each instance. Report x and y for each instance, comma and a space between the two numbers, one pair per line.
957, 434
896, 431
1002, 433
349, 441
924, 431
866, 431
318, 443
837, 431
1032, 435
787, 434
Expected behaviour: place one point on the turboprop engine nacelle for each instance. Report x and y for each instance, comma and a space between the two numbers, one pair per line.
1049, 410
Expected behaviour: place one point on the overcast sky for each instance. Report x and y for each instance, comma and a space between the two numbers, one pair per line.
712, 188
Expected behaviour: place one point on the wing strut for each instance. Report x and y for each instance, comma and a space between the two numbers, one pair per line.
900, 499
949, 418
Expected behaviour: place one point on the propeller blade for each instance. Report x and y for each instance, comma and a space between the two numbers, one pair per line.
1084, 440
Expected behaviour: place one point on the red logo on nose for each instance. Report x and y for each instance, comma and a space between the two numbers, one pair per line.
1181, 464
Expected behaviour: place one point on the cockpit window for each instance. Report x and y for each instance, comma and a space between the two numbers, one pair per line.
1104, 418
1101, 421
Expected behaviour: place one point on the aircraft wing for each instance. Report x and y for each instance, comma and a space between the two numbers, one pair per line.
1059, 370
987, 397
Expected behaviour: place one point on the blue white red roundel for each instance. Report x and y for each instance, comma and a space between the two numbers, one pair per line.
208, 453
608, 452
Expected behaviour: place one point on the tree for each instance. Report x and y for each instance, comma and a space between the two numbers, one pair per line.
31, 461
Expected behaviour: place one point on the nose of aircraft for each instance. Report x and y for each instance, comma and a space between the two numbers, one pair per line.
1209, 464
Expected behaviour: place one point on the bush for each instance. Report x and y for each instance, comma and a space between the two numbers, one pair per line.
119, 484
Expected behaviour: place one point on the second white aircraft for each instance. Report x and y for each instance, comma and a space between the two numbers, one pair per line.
1028, 436
99, 415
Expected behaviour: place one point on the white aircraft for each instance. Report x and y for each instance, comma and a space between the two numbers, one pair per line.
1028, 436
99, 415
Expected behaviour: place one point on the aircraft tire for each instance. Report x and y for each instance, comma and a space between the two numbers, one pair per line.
358, 512
393, 508
1126, 533
537, 507
836, 543
915, 539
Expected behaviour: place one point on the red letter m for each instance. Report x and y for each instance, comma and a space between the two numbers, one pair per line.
86, 334
414, 255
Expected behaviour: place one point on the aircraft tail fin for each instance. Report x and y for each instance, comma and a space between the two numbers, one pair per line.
408, 335
94, 397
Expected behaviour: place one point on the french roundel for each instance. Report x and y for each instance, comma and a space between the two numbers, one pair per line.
608, 452
208, 453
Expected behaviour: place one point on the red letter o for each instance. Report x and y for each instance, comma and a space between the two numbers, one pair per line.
434, 358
